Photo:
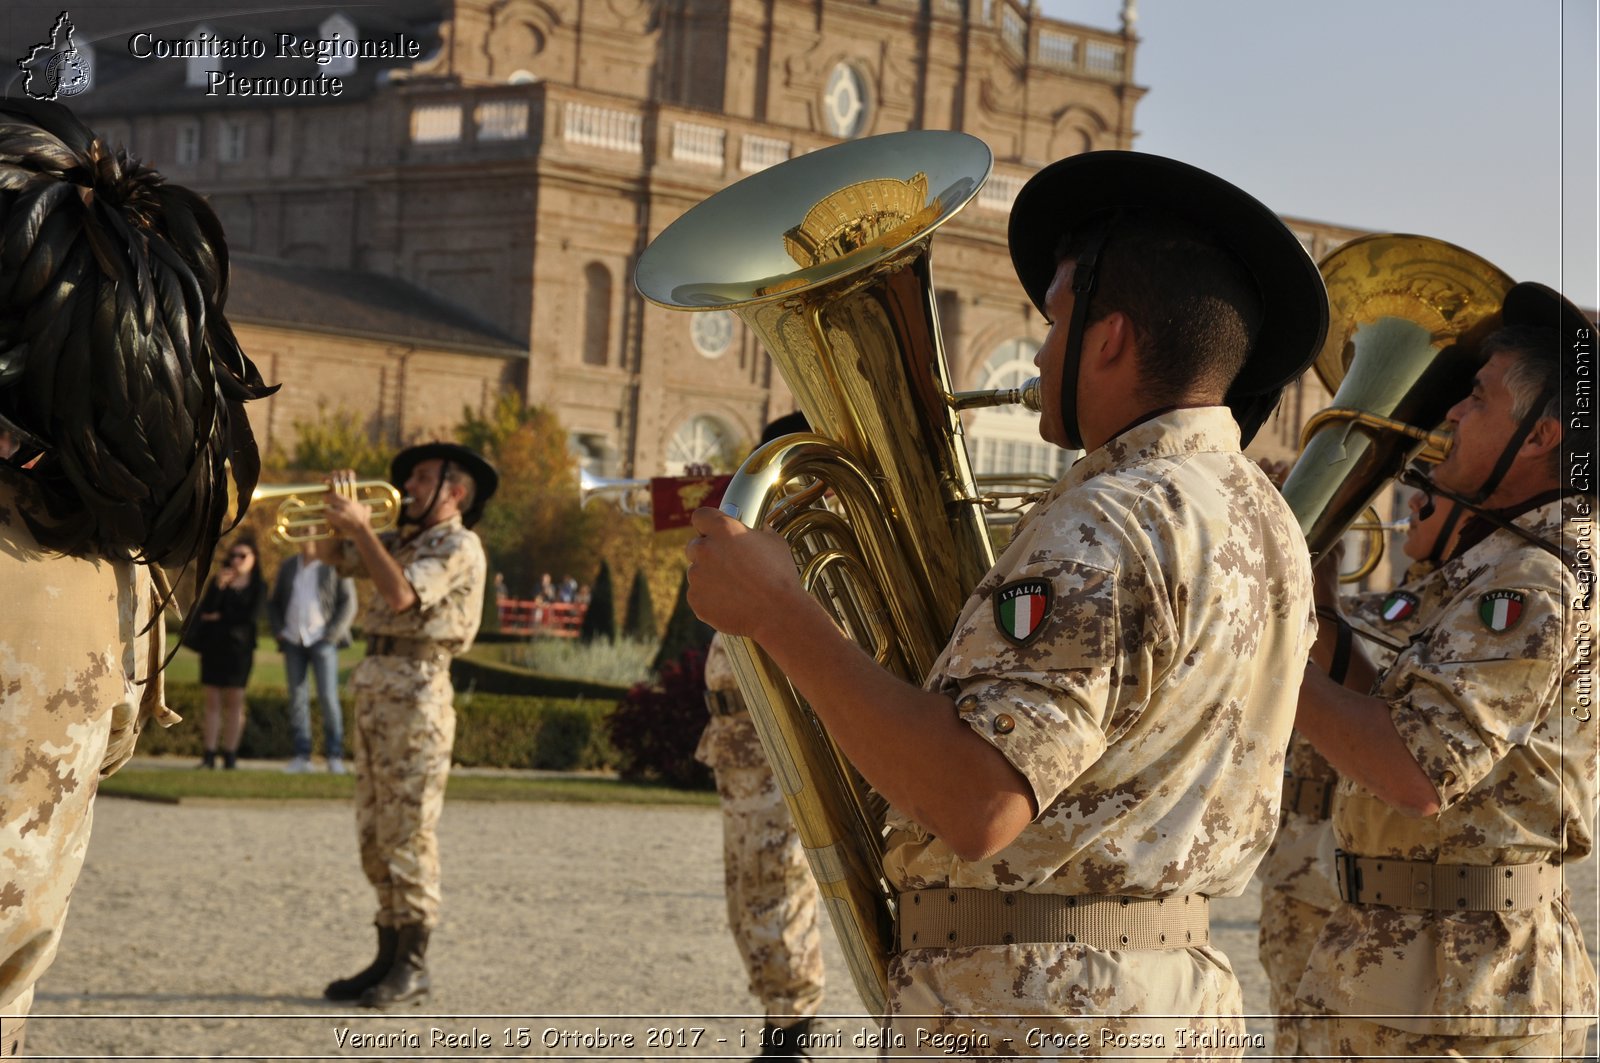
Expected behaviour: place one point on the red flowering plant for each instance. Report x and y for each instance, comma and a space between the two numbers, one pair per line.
657, 725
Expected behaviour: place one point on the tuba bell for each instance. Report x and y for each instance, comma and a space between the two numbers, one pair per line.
1407, 315
826, 258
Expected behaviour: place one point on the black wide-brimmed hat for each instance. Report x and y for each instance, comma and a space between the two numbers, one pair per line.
1081, 188
1533, 304
482, 473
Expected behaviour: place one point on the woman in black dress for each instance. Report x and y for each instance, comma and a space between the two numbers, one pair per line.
227, 645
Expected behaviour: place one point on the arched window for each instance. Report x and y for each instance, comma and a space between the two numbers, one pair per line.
340, 26
1005, 439
596, 314
701, 440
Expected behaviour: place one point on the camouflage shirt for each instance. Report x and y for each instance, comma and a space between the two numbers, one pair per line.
446, 568
1150, 704
1300, 860
1489, 699
78, 682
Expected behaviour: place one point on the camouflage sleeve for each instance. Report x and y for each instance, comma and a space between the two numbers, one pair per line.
1484, 678
1051, 695
439, 567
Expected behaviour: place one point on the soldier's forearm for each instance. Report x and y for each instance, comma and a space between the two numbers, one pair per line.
387, 577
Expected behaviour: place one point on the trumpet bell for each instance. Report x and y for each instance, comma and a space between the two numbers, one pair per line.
1407, 317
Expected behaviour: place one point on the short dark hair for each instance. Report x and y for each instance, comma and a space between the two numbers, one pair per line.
1194, 309
118, 371
1534, 372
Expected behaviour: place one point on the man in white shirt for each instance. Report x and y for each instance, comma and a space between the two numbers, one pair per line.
311, 610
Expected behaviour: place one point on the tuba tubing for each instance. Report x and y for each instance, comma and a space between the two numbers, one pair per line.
834, 248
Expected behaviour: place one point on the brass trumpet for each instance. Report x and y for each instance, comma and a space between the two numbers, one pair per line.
304, 518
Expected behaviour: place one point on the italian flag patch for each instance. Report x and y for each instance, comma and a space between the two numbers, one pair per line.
1020, 608
1398, 606
1500, 610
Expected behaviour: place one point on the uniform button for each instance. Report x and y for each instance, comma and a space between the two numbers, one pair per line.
1447, 777
967, 704
1004, 724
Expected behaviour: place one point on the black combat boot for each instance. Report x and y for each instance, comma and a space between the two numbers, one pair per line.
784, 1042
408, 978
351, 988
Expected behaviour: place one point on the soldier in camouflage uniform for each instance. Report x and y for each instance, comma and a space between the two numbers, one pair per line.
120, 401
772, 898
429, 584
1100, 746
1469, 774
1297, 883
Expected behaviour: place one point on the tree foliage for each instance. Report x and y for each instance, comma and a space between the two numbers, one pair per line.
336, 438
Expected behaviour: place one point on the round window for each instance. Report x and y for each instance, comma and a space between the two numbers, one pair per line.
712, 332
844, 102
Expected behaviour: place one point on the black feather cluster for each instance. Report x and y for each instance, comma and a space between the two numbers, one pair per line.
119, 374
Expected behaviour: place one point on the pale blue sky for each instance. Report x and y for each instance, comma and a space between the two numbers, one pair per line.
1468, 120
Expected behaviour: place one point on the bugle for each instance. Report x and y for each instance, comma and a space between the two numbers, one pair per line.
303, 510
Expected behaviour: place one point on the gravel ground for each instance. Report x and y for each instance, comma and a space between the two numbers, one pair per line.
207, 929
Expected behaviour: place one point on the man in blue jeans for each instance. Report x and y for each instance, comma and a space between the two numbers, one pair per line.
311, 610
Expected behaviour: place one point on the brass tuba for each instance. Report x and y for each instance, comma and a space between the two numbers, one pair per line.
1407, 315
826, 258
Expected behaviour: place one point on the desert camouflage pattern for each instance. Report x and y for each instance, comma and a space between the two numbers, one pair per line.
1060, 1001
1298, 888
1338, 1037
772, 898
77, 685
1497, 721
1150, 715
405, 721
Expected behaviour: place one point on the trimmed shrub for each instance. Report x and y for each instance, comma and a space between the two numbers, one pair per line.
685, 631
600, 619
641, 621
656, 727
501, 731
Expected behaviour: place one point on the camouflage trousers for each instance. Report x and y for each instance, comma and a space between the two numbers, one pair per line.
1338, 1037
402, 763
1289, 929
772, 898
1059, 1001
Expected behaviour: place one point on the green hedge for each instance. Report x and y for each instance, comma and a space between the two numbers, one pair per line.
496, 677
551, 733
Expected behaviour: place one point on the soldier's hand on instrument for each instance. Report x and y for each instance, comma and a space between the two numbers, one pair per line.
344, 514
739, 580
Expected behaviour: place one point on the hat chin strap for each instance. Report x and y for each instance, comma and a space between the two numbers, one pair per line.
1509, 454
1084, 276
444, 467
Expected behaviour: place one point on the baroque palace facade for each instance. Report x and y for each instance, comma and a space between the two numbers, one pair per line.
465, 223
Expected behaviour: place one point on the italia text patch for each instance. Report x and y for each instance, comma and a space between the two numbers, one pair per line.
1020, 608
1500, 610
1398, 606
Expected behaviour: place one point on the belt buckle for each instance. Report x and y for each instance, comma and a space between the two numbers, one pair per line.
1348, 874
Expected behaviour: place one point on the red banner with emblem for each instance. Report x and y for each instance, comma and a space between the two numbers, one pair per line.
673, 499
